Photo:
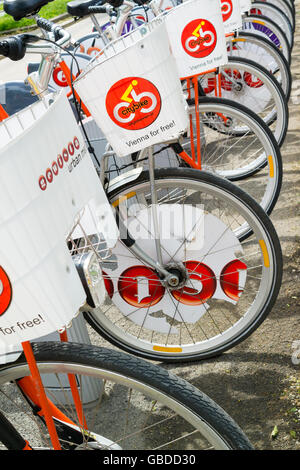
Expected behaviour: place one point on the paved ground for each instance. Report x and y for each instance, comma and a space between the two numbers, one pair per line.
257, 382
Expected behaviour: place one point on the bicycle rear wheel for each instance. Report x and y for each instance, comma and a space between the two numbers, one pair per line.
138, 405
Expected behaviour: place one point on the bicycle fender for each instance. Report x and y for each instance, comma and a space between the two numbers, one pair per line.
15, 96
123, 179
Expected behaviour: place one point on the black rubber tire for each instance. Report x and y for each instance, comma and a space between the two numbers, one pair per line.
149, 374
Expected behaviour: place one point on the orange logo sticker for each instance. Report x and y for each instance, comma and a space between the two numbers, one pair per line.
133, 103
5, 291
140, 287
199, 38
226, 8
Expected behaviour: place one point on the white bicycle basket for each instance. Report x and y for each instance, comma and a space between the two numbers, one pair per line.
232, 15
245, 5
133, 92
47, 182
197, 36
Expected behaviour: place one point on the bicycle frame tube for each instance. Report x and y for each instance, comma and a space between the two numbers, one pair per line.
32, 388
41, 394
39, 80
27, 386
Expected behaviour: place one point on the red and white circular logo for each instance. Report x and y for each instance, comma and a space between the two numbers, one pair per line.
140, 287
5, 291
199, 38
133, 103
226, 8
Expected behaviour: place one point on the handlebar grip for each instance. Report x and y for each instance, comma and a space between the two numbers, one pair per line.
97, 9
114, 3
4, 48
45, 24
14, 48
49, 26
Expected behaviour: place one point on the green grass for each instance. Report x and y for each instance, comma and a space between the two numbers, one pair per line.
48, 11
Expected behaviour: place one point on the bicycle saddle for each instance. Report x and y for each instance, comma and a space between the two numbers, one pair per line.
18, 9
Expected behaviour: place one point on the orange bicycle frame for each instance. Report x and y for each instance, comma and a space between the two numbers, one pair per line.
33, 389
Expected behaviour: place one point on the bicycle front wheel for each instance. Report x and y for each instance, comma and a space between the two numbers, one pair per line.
252, 160
264, 26
276, 15
229, 279
257, 48
251, 85
130, 404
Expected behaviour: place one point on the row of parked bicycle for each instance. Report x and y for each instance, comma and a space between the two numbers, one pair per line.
139, 166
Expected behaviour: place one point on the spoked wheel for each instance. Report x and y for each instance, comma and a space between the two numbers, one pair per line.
287, 8
251, 85
252, 160
227, 283
264, 26
128, 404
256, 48
275, 14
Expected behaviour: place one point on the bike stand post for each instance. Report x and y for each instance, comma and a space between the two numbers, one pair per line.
41, 394
198, 134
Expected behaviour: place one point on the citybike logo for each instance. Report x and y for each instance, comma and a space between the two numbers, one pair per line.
140, 287
59, 78
199, 38
133, 103
5, 291
67, 157
227, 9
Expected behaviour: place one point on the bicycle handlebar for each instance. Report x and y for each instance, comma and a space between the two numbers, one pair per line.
16, 47
82, 8
97, 9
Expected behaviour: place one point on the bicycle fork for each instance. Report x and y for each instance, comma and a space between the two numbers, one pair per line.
60, 427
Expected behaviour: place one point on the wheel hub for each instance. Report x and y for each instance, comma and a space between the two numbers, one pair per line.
178, 276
